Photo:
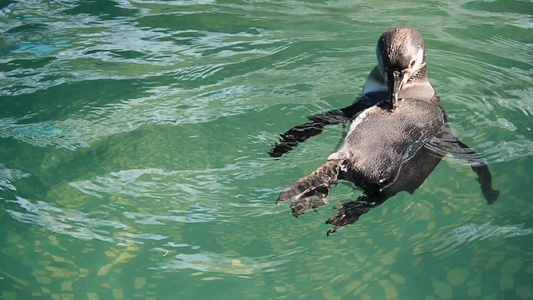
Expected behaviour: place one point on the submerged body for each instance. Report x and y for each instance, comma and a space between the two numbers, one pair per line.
398, 137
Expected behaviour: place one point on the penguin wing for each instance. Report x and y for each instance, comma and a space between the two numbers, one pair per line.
448, 143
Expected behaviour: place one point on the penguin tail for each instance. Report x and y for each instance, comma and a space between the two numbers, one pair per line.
313, 190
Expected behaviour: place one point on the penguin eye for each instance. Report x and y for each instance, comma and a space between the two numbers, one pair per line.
412, 64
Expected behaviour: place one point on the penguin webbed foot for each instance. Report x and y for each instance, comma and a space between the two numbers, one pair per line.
312, 190
311, 199
349, 212
305, 195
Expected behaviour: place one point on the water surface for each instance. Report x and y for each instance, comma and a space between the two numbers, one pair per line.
134, 139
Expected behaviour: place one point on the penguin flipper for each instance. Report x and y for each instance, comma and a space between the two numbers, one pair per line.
462, 151
300, 133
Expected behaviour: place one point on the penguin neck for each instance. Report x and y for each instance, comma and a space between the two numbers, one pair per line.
418, 87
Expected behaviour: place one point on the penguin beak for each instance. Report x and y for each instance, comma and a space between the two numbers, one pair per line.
396, 80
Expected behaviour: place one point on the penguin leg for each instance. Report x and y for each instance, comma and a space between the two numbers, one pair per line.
349, 212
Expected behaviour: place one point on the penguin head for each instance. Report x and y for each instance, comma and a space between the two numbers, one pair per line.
401, 56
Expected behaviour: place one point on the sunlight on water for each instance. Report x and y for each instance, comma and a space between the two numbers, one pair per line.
213, 262
8, 176
60, 220
134, 139
472, 232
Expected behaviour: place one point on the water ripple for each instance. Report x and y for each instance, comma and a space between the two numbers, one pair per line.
137, 132
8, 176
75, 223
508, 150
225, 264
451, 240
62, 134
188, 196
174, 109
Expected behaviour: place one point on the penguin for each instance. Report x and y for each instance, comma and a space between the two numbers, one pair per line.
397, 138
408, 46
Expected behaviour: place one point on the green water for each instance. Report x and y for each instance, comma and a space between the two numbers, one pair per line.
134, 139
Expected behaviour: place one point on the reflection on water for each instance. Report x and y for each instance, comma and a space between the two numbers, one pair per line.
134, 139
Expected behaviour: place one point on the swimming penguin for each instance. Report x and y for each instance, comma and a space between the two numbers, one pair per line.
398, 137
384, 80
